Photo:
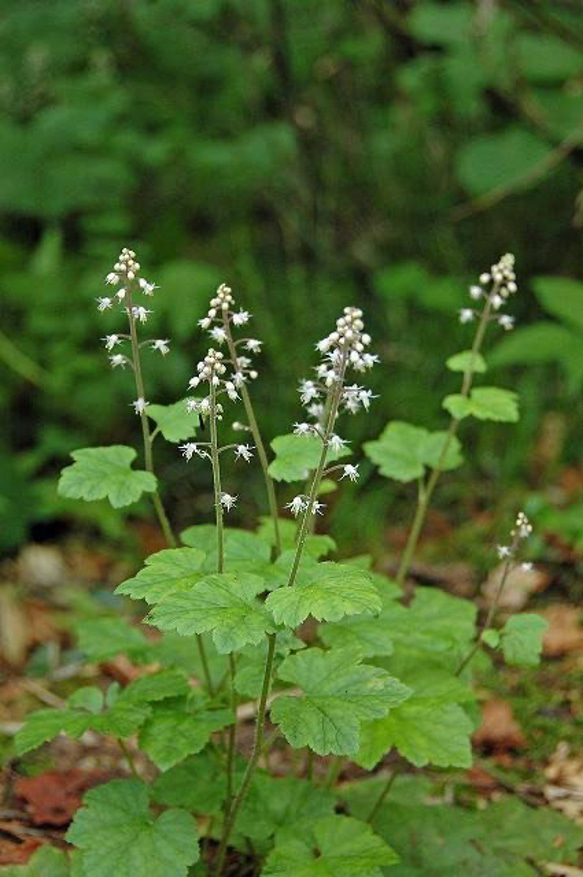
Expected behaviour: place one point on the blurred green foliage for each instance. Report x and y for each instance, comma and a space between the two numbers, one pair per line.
311, 154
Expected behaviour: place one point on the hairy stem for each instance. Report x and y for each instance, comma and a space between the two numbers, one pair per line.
257, 438
426, 493
148, 456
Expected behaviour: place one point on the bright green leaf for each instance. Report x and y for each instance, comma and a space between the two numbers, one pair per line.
198, 784
105, 472
173, 732
279, 803
335, 590
491, 637
562, 297
462, 362
224, 604
170, 570
338, 694
103, 638
403, 451
157, 686
505, 158
119, 834
457, 405
174, 421
485, 403
522, 639
546, 58
297, 455
243, 550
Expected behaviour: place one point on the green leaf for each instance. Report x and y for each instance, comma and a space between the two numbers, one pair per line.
174, 421
87, 698
335, 590
338, 694
170, 570
173, 732
485, 403
278, 803
423, 731
197, 784
562, 297
522, 639
539, 343
119, 834
370, 635
439, 23
297, 455
501, 159
243, 550
224, 604
105, 472
103, 638
491, 637
403, 451
316, 545
336, 845
465, 360
47, 861
157, 686
547, 59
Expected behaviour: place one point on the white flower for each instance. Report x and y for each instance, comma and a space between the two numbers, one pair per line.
218, 334
188, 450
112, 279
297, 505
316, 410
147, 288
140, 405
485, 277
253, 345
497, 301
506, 321
365, 397
303, 429
118, 359
231, 391
523, 527
228, 502
205, 322
336, 443
103, 303
318, 508
350, 472
466, 315
111, 341
141, 314
526, 567
241, 318
243, 452
476, 292
309, 391
504, 551
161, 344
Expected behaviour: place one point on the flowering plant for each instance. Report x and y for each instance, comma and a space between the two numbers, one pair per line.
325, 657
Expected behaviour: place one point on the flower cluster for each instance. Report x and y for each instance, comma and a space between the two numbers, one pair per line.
521, 531
212, 369
495, 286
218, 320
299, 504
126, 276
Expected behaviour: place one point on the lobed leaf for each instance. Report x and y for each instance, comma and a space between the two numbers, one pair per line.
174, 421
297, 455
484, 403
462, 362
522, 639
174, 731
98, 473
170, 570
403, 451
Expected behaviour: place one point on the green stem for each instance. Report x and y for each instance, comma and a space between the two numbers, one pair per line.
148, 456
334, 771
381, 798
129, 757
257, 438
426, 494
268, 672
309, 764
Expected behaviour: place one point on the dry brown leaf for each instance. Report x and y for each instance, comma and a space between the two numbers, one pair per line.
499, 730
564, 633
519, 586
54, 798
564, 790
17, 851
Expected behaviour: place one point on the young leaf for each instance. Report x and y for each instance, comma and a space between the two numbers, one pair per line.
338, 694
224, 604
403, 451
491, 637
334, 590
336, 845
105, 472
174, 422
119, 834
522, 639
485, 403
457, 405
172, 569
173, 732
297, 455
461, 362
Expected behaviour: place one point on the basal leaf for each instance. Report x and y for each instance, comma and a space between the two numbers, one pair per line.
334, 591
223, 604
119, 834
104, 638
278, 803
522, 639
175, 730
105, 472
403, 451
198, 784
297, 455
172, 569
335, 845
338, 694
461, 362
174, 421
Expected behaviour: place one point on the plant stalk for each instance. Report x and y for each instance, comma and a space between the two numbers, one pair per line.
381, 798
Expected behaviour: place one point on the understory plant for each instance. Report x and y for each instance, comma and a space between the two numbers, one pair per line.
325, 659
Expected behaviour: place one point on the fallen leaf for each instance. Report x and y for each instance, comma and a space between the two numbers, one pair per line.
564, 633
53, 798
17, 852
499, 730
564, 791
519, 586
42, 566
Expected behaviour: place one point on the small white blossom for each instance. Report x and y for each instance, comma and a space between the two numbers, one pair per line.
504, 551
243, 452
161, 344
140, 313
140, 405
485, 278
239, 427
112, 279
103, 303
111, 341
506, 321
336, 443
188, 450
497, 301
476, 292
118, 359
218, 334
350, 472
309, 391
253, 345
303, 429
318, 508
205, 322
466, 315
526, 567
297, 505
146, 287
228, 502
523, 526
241, 318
